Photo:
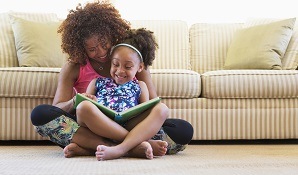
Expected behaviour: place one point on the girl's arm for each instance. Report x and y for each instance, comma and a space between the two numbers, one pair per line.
91, 90
144, 92
146, 77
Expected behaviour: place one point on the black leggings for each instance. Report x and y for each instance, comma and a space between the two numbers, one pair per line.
180, 131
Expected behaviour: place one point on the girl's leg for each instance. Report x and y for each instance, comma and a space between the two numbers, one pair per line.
143, 131
89, 116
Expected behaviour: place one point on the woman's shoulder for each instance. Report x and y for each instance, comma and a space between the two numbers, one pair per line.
70, 68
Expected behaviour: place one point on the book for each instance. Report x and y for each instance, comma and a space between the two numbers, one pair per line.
119, 117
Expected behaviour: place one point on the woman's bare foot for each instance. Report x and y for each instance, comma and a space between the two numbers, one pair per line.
107, 153
73, 150
159, 147
143, 150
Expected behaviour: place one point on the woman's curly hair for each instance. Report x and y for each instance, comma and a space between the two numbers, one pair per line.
98, 18
143, 40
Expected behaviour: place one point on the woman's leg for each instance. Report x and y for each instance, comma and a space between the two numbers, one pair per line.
177, 133
63, 130
89, 116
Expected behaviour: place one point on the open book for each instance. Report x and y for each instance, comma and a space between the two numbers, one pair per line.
119, 117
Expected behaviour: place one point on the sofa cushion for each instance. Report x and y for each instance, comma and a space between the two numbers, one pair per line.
176, 83
28, 82
8, 55
209, 45
37, 82
37, 43
260, 46
290, 59
173, 41
250, 84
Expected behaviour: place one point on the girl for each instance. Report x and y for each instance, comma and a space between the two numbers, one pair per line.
121, 92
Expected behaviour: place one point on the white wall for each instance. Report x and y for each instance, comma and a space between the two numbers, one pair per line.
207, 10
61, 7
188, 10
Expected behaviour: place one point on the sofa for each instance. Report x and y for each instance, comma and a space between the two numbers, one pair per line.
191, 73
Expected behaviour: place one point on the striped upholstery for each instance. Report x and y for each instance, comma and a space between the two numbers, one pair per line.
172, 38
8, 56
15, 123
209, 45
225, 119
176, 83
246, 104
238, 104
250, 84
28, 82
21, 89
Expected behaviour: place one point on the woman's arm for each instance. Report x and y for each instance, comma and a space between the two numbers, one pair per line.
146, 77
144, 92
64, 93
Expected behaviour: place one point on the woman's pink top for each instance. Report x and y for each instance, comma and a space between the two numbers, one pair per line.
86, 74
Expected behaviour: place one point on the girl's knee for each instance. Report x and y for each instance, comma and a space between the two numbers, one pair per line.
162, 109
83, 107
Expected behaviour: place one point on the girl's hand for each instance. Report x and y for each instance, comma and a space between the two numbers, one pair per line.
93, 97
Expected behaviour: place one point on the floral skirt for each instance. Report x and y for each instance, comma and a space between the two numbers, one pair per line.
59, 130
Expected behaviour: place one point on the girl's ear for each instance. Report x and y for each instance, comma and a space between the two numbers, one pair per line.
141, 67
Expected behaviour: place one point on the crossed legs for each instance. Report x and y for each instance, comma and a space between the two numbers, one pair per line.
90, 117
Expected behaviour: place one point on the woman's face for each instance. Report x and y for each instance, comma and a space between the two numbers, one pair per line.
125, 64
95, 51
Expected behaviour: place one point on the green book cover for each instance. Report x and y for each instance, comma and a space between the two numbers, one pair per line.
119, 117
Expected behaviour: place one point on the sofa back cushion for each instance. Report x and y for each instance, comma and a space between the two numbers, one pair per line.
173, 40
260, 46
209, 44
37, 43
8, 55
290, 59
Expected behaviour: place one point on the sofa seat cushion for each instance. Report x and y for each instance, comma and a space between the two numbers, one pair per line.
250, 84
41, 82
176, 83
28, 82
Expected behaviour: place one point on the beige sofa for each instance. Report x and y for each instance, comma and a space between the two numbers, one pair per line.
189, 75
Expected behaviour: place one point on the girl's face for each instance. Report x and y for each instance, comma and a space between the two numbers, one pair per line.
95, 51
125, 64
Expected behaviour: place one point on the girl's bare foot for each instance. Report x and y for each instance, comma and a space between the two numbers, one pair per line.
107, 153
159, 147
73, 150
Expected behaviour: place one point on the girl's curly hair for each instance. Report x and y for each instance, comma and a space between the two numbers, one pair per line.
143, 40
98, 18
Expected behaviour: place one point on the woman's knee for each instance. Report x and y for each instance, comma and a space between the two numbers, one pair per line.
179, 130
42, 114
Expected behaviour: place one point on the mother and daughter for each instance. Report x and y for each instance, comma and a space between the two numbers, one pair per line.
109, 62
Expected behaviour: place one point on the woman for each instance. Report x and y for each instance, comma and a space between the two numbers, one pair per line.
88, 33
